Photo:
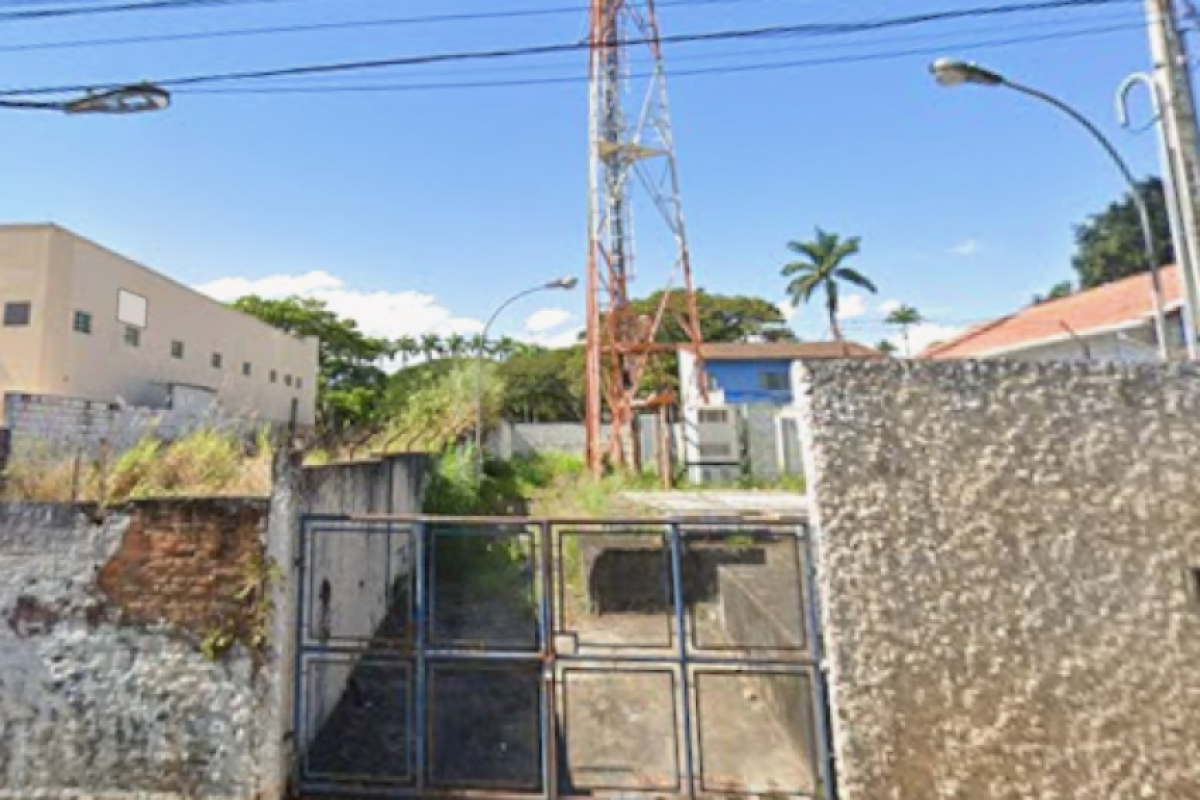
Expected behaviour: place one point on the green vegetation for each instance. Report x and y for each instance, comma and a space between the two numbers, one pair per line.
1109, 245
351, 382
904, 318
205, 463
823, 269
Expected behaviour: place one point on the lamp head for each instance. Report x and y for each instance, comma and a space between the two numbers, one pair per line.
132, 99
953, 72
567, 283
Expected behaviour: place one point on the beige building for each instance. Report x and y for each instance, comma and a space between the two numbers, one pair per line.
81, 321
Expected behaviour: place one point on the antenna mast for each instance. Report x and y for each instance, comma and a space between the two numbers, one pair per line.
632, 161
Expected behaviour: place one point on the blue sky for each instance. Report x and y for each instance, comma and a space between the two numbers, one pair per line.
420, 210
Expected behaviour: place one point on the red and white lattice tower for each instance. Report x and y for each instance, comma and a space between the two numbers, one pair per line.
632, 165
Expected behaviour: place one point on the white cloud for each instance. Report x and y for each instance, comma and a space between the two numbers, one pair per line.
564, 338
924, 335
547, 319
788, 310
388, 314
888, 306
851, 306
967, 247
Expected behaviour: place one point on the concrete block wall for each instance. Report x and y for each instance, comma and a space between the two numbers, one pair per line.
1009, 567
48, 428
104, 690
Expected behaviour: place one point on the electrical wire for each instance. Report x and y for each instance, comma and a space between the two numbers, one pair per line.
567, 47
673, 74
271, 30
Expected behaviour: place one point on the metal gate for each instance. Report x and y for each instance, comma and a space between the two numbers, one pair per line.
530, 658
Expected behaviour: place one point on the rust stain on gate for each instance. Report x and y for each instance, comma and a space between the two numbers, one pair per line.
510, 657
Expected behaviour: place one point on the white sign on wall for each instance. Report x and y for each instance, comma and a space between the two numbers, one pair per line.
131, 309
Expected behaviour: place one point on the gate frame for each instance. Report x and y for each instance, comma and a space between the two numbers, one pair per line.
546, 533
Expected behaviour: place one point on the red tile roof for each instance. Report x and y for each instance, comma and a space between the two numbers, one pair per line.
1108, 306
791, 351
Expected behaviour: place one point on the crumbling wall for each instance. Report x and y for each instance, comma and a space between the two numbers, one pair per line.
104, 688
1007, 560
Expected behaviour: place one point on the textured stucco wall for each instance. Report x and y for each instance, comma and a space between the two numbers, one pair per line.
109, 695
1004, 556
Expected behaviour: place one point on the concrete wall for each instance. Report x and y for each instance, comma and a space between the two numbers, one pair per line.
104, 690
509, 439
50, 428
355, 573
1006, 560
62, 274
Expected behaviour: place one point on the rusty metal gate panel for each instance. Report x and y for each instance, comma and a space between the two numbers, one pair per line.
558, 658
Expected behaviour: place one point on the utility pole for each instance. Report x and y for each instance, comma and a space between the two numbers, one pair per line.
1173, 89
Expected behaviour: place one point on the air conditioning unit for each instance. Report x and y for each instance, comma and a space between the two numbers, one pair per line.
714, 451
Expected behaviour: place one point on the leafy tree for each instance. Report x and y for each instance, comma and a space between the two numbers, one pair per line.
1057, 292
905, 317
886, 347
723, 318
351, 382
1109, 245
542, 385
821, 269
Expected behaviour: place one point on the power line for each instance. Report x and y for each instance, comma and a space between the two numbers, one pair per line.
944, 40
567, 47
270, 30
726, 70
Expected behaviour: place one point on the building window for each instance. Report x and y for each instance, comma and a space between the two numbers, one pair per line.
82, 322
274, 376
176, 349
246, 370
714, 416
287, 380
217, 361
133, 336
131, 308
17, 315
773, 381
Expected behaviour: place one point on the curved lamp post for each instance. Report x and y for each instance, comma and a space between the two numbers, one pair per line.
565, 284
952, 72
133, 99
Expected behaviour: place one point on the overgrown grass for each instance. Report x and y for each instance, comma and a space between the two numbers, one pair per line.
205, 463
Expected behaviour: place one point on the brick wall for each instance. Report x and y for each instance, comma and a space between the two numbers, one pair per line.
104, 690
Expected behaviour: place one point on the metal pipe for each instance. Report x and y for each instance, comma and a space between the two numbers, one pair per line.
561, 283
689, 777
1185, 253
419, 622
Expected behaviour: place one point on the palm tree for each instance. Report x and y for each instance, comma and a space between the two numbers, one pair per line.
431, 345
478, 345
886, 347
905, 317
456, 345
505, 348
407, 347
822, 267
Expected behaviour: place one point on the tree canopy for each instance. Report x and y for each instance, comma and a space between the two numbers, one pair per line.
351, 381
1109, 246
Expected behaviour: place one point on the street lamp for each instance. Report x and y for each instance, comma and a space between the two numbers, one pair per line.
565, 284
132, 99
952, 72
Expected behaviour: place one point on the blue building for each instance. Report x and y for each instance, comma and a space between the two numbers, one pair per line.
738, 406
